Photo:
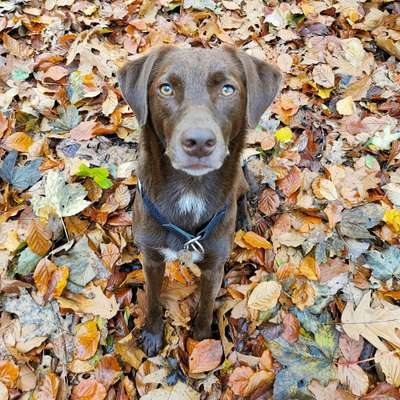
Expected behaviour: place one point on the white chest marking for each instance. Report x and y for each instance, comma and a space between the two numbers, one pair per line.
193, 205
172, 255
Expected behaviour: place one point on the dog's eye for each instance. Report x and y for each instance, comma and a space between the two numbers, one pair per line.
166, 89
227, 90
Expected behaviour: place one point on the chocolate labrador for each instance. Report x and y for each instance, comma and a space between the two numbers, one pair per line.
194, 106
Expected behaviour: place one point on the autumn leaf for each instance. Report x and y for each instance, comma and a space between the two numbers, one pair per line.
309, 268
88, 389
291, 183
256, 241
47, 388
38, 238
108, 370
239, 379
205, 356
86, 339
60, 198
265, 296
284, 135
268, 202
8, 373
19, 141
392, 218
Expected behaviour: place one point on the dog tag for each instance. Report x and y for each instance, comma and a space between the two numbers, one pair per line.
185, 257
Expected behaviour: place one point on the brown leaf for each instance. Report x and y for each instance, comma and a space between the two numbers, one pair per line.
239, 380
50, 280
38, 238
8, 373
266, 361
88, 389
291, 182
258, 380
48, 388
205, 356
291, 328
269, 202
19, 141
145, 369
303, 295
383, 390
86, 339
350, 348
334, 213
110, 254
108, 370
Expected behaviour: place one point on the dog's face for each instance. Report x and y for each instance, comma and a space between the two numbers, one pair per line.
198, 100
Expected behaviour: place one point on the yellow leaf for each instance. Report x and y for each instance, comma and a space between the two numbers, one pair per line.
303, 295
256, 241
284, 135
19, 141
346, 106
8, 373
265, 296
59, 281
309, 268
392, 218
325, 93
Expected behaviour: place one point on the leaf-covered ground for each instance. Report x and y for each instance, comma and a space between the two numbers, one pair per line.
310, 301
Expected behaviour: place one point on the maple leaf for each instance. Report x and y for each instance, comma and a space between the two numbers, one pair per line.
384, 264
60, 198
20, 177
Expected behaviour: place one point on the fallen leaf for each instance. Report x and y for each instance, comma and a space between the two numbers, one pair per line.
323, 75
47, 388
291, 328
86, 339
83, 131
390, 364
19, 141
239, 379
354, 377
88, 389
205, 356
180, 391
8, 373
346, 106
291, 183
38, 238
108, 370
265, 296
268, 202
309, 268
256, 241
96, 303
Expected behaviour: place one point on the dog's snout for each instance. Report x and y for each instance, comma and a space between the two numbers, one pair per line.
198, 142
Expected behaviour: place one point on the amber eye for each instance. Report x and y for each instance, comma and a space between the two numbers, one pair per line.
166, 89
227, 90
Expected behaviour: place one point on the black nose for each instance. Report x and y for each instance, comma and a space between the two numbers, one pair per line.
198, 142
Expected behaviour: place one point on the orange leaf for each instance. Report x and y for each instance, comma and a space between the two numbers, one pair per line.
88, 389
334, 213
58, 282
239, 380
8, 373
256, 241
109, 254
3, 124
291, 183
303, 295
205, 356
291, 328
19, 141
266, 360
38, 238
86, 339
309, 268
108, 370
48, 388
269, 202
42, 275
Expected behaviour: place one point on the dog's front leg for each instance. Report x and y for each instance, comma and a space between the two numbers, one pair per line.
152, 332
212, 273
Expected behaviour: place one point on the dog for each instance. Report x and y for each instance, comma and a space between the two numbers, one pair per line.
194, 106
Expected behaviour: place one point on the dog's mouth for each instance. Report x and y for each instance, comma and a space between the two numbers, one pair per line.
196, 169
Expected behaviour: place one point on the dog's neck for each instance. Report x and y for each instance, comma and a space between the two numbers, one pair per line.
186, 200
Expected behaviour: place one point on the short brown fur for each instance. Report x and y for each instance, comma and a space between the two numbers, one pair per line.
197, 76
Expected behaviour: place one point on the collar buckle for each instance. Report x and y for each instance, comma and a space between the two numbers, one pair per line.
194, 245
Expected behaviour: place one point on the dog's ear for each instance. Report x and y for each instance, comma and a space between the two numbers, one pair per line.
262, 84
133, 79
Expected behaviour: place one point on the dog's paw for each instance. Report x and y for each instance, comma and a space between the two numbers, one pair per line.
152, 342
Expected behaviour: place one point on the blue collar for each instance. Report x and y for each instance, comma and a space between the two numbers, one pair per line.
190, 240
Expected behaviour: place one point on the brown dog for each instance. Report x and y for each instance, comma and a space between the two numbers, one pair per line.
194, 106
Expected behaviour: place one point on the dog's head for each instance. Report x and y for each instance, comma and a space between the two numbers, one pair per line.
198, 100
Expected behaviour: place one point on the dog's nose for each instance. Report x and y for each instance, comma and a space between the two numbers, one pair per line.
198, 142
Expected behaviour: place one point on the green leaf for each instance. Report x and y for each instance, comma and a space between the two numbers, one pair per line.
27, 262
384, 264
98, 174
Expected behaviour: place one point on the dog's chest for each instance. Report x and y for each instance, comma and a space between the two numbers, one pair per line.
173, 255
191, 206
